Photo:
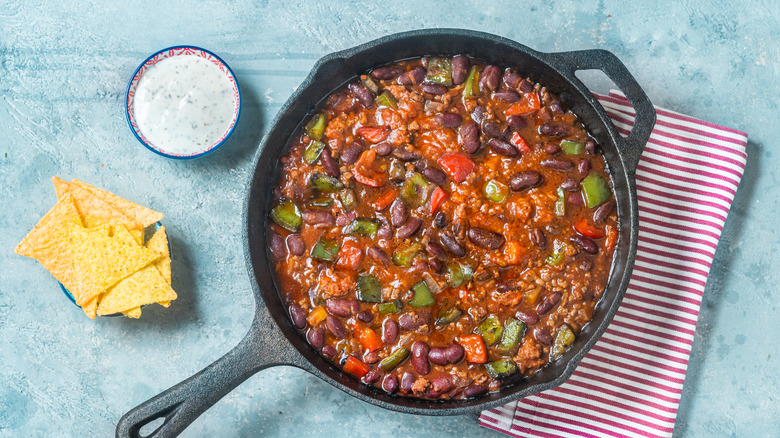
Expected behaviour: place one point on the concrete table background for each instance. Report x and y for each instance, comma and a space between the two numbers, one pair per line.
63, 71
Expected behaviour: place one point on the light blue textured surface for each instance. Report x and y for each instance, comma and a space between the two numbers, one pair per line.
63, 71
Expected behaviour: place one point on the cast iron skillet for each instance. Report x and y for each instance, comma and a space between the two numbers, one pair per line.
272, 340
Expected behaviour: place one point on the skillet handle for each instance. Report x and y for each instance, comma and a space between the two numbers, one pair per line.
180, 405
631, 146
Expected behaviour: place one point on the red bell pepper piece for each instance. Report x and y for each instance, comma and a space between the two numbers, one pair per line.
528, 104
437, 199
368, 338
374, 134
475, 348
384, 200
611, 240
355, 367
519, 142
349, 256
583, 227
363, 172
458, 166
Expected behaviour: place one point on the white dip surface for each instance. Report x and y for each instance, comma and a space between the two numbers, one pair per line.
184, 104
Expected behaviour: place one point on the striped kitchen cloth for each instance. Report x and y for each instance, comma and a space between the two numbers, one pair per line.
630, 383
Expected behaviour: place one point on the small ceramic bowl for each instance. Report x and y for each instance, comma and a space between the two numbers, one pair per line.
168, 53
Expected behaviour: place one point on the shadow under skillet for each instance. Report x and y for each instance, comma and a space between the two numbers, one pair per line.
712, 302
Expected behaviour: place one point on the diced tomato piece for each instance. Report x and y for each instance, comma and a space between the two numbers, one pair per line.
385, 199
363, 172
519, 142
374, 181
368, 338
437, 199
611, 240
475, 348
355, 367
528, 104
458, 166
374, 134
513, 252
583, 227
349, 256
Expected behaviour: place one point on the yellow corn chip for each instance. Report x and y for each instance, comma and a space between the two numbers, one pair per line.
140, 214
133, 313
90, 309
146, 286
102, 261
159, 243
60, 186
95, 211
103, 230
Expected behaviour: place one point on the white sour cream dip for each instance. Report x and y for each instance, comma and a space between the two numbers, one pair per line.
184, 104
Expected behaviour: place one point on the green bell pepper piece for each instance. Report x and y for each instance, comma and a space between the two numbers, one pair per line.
325, 183
403, 254
313, 151
471, 86
422, 296
513, 332
563, 340
386, 99
396, 358
287, 215
363, 227
369, 289
501, 369
388, 308
348, 199
370, 83
558, 255
572, 147
415, 190
560, 204
315, 129
320, 202
595, 190
490, 329
495, 191
458, 274
448, 315
325, 249
439, 71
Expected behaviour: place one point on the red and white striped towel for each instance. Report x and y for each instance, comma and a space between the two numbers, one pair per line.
630, 383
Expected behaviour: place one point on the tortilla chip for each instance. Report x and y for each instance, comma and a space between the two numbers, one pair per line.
140, 214
146, 286
90, 309
49, 242
60, 186
103, 230
133, 313
101, 262
159, 243
94, 210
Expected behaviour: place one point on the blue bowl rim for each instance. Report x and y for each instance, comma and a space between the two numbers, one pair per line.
127, 101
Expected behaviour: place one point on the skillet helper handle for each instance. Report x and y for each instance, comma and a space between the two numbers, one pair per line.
632, 146
183, 403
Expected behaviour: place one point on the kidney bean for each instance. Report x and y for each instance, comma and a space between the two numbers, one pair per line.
407, 381
489, 79
586, 244
449, 120
454, 353
442, 383
329, 351
556, 107
483, 276
557, 164
435, 250
475, 391
329, 163
276, 243
335, 327
583, 167
548, 303
469, 137
551, 148
390, 383
602, 213
576, 199
511, 79
412, 77
296, 245
529, 318
339, 307
372, 376
460, 69
434, 175
506, 96
385, 232
420, 358
365, 316
298, 316
590, 146
516, 122
398, 213
507, 286
543, 335
351, 153
387, 72
570, 184
525, 86
404, 155
345, 219
485, 238
316, 337
440, 220
411, 321
554, 130
538, 238
383, 149
478, 114
502, 148
438, 355
436, 264
452, 245
525, 180
390, 332
362, 94
319, 217
371, 357
409, 228
435, 89
379, 255
586, 265
491, 128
